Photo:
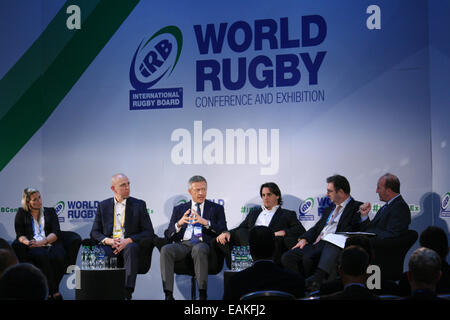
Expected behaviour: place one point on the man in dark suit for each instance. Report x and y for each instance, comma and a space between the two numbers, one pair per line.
283, 223
120, 223
394, 218
264, 274
352, 269
311, 250
191, 229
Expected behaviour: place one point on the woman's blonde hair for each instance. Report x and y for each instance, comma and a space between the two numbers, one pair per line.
26, 196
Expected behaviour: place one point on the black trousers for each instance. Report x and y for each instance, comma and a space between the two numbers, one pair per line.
323, 255
129, 259
50, 260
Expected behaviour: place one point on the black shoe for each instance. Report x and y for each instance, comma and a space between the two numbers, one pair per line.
169, 295
57, 296
314, 282
128, 293
202, 294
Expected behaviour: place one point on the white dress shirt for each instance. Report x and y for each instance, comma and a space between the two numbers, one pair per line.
265, 216
119, 214
333, 223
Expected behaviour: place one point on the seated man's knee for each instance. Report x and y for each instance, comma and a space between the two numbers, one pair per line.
240, 237
200, 249
164, 250
132, 246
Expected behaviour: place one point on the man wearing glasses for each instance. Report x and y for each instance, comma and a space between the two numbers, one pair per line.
311, 250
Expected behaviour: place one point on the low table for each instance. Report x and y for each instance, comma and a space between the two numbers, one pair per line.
104, 284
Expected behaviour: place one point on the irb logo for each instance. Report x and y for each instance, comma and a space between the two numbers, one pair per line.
445, 201
306, 206
156, 58
445, 205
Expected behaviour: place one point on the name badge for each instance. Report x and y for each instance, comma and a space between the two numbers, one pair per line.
38, 237
117, 233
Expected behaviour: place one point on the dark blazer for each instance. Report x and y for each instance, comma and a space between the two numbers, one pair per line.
282, 219
390, 221
349, 221
211, 211
352, 292
23, 223
137, 221
264, 275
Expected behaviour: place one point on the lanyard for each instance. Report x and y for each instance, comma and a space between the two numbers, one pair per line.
34, 230
118, 233
123, 216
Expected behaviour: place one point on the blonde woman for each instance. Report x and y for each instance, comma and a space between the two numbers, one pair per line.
38, 232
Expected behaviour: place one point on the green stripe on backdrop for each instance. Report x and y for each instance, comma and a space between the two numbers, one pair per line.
40, 55
40, 99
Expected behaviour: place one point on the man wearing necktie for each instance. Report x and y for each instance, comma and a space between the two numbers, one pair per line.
191, 228
311, 253
120, 223
393, 219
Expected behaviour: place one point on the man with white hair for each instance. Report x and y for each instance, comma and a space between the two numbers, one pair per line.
191, 229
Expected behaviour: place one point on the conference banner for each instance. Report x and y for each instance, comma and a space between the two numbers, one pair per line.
240, 92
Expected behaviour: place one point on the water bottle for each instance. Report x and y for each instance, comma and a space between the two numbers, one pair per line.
96, 262
244, 258
249, 257
84, 258
87, 258
100, 259
233, 259
238, 258
92, 258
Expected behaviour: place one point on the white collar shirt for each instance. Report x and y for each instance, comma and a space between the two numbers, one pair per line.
119, 214
333, 223
265, 216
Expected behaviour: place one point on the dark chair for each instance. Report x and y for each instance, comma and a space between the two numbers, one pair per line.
268, 295
5, 244
390, 254
71, 242
186, 266
146, 246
